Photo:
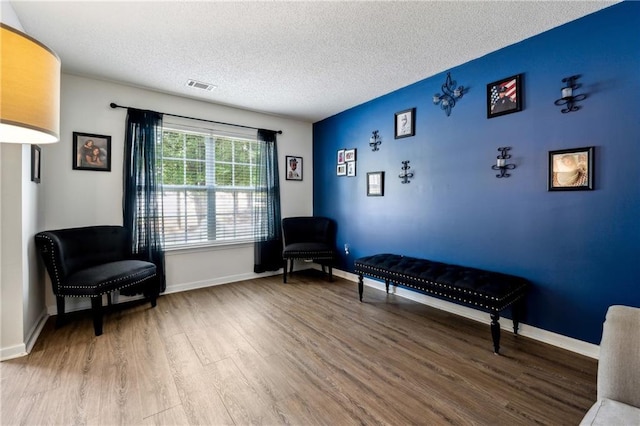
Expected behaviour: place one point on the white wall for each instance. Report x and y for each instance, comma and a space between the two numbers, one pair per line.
80, 198
21, 290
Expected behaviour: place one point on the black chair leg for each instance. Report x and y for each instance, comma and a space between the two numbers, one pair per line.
330, 273
291, 268
60, 319
96, 307
284, 272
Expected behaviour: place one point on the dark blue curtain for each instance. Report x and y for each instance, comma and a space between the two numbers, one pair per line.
142, 193
267, 227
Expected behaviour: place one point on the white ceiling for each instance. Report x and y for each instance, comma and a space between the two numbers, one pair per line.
305, 60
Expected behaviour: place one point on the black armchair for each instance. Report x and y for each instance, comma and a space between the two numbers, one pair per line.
309, 238
92, 261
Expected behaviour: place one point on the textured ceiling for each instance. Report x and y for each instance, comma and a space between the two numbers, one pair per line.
305, 60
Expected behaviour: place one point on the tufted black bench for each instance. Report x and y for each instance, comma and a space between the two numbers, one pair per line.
489, 291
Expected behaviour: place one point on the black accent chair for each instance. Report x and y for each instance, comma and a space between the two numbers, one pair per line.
309, 238
92, 261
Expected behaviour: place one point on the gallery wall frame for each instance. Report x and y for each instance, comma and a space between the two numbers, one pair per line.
571, 169
36, 160
405, 123
294, 167
375, 184
504, 96
91, 152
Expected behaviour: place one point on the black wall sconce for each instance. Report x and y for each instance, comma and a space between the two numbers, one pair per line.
450, 94
374, 141
568, 97
501, 162
405, 175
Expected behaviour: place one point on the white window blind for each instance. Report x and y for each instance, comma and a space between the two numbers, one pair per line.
208, 183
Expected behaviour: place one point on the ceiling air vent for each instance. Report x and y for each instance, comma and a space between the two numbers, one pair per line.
200, 85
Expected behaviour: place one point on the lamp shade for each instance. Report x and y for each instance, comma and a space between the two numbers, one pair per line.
29, 90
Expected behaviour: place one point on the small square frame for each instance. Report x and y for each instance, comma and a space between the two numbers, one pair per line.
375, 184
512, 87
294, 167
85, 156
36, 159
571, 169
405, 123
341, 169
350, 155
340, 158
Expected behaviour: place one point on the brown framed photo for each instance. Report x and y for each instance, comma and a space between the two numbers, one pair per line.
571, 169
405, 123
91, 152
375, 184
294, 167
341, 156
341, 169
504, 96
35, 163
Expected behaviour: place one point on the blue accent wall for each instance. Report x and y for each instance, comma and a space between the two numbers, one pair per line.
581, 249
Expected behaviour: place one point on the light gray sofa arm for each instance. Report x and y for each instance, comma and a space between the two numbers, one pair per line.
618, 370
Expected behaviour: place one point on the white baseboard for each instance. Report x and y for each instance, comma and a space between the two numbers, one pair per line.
555, 339
23, 349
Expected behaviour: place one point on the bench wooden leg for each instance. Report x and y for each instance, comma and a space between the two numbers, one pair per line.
60, 318
96, 307
515, 314
360, 286
495, 332
386, 284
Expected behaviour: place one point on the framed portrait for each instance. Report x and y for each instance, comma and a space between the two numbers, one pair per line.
294, 167
405, 123
350, 155
341, 156
35, 163
91, 152
375, 184
351, 168
571, 169
504, 96
341, 169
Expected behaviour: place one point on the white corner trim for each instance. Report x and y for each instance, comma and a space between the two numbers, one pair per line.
12, 352
574, 345
177, 288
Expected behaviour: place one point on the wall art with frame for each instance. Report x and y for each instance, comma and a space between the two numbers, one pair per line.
294, 167
91, 152
571, 169
36, 159
375, 184
405, 123
504, 96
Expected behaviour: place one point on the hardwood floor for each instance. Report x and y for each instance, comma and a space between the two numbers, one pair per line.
302, 353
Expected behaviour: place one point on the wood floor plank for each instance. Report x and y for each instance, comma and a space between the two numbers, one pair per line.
302, 353
200, 401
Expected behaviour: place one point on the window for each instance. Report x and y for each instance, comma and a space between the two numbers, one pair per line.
209, 187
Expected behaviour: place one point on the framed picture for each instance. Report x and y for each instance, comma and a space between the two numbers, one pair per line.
294, 168
350, 155
341, 156
405, 123
571, 169
504, 96
91, 152
351, 168
375, 184
341, 170
35, 163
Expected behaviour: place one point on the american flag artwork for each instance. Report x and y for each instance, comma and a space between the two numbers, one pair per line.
511, 90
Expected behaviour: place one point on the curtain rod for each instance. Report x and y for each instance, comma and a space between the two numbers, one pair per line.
114, 105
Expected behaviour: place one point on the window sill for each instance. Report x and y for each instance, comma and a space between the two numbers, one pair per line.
186, 249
